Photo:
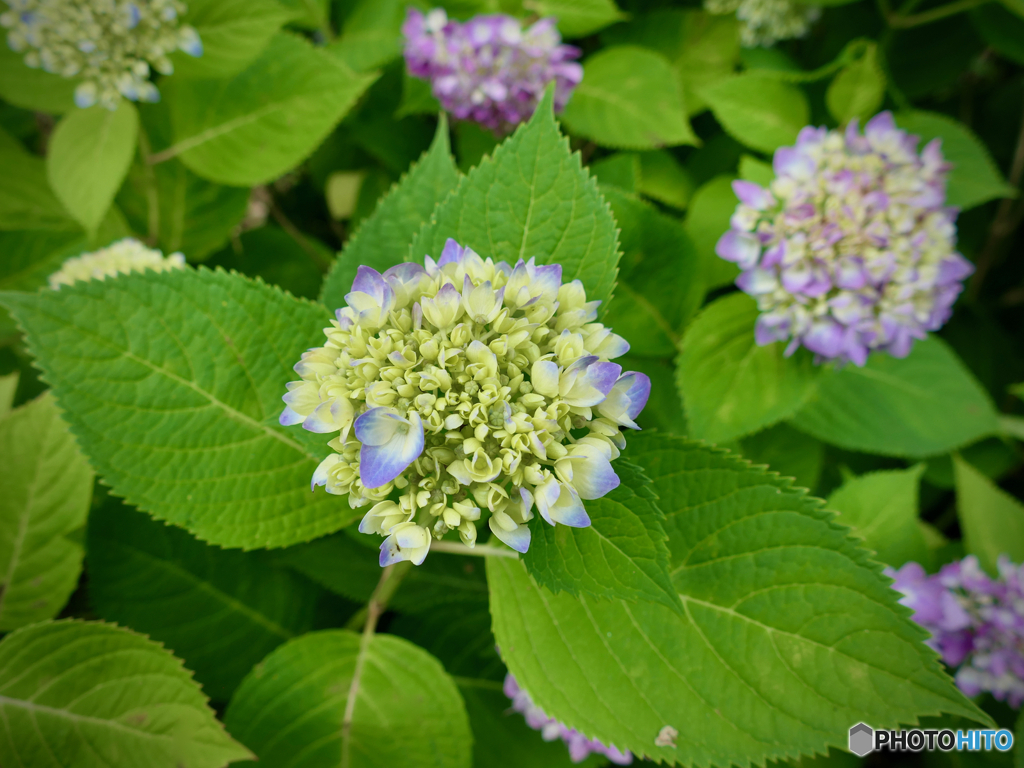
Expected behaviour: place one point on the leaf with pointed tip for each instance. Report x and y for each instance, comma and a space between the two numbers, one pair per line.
172, 383
531, 198
382, 240
47, 488
992, 520
93, 695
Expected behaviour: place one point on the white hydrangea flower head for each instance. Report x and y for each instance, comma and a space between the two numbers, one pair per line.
461, 388
766, 22
110, 44
120, 258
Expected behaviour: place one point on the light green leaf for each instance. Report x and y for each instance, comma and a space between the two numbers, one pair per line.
706, 221
790, 632
621, 555
90, 152
531, 198
252, 128
660, 285
760, 112
93, 695
26, 200
577, 18
974, 178
992, 520
881, 507
731, 386
172, 383
34, 89
859, 88
47, 489
787, 451
372, 35
310, 14
417, 97
756, 170
621, 170
923, 405
662, 178
233, 32
294, 710
382, 240
8, 388
629, 98
220, 610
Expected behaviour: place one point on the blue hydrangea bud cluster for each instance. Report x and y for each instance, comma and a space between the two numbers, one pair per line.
766, 22
465, 388
489, 69
851, 248
976, 621
119, 258
110, 44
580, 747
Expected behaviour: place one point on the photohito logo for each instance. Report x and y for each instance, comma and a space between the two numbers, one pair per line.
864, 739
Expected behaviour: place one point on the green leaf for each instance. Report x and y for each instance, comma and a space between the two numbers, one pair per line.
34, 89
531, 198
417, 97
760, 112
922, 405
577, 18
706, 221
253, 127
382, 240
47, 489
220, 610
664, 411
790, 632
992, 520
756, 170
1015, 6
731, 386
92, 695
234, 32
8, 388
172, 383
621, 555
858, 90
372, 35
293, 709
278, 258
26, 200
787, 451
881, 507
90, 152
1001, 30
621, 169
629, 98
662, 178
975, 179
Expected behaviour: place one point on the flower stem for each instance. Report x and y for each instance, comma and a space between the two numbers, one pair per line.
936, 14
483, 550
367, 616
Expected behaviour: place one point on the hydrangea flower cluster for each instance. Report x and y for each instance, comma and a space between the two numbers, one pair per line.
110, 44
977, 622
462, 386
851, 249
766, 22
580, 747
489, 69
120, 258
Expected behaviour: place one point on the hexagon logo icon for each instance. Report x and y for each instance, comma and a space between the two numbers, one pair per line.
862, 738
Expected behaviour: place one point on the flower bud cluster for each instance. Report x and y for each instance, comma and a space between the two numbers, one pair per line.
851, 248
580, 747
977, 622
489, 69
120, 258
463, 389
766, 22
110, 44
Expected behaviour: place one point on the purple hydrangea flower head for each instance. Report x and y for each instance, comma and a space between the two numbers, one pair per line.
580, 747
851, 248
465, 390
976, 622
489, 69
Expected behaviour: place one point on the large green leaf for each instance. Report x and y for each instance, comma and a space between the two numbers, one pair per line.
34, 89
706, 221
622, 554
372, 35
89, 155
92, 695
787, 451
992, 520
577, 18
219, 610
859, 88
172, 383
760, 112
531, 198
255, 126
382, 240
294, 709
26, 200
922, 405
629, 98
790, 631
731, 386
47, 488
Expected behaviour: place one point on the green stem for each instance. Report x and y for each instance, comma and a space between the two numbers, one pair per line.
152, 190
367, 616
483, 550
900, 21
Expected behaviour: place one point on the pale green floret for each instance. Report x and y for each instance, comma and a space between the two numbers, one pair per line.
765, 22
120, 258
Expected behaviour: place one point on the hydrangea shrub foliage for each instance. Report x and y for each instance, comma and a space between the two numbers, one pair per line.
513, 384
